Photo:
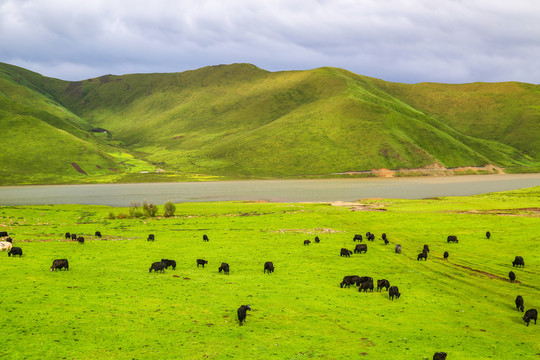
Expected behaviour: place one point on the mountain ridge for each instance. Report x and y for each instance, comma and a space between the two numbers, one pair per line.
240, 121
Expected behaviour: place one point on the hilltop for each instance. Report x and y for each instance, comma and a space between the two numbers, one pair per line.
240, 121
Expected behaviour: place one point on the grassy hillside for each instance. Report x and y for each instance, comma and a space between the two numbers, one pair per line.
239, 121
109, 306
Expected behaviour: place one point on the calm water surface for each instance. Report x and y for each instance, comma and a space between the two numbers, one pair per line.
270, 190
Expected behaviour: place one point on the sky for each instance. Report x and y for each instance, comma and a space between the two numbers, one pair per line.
409, 41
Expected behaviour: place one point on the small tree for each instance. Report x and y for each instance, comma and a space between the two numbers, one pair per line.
149, 210
169, 209
134, 210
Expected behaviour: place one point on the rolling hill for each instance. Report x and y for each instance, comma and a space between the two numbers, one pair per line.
239, 121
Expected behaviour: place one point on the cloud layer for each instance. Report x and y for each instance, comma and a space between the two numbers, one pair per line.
396, 40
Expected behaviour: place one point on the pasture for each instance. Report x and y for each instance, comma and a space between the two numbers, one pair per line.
108, 305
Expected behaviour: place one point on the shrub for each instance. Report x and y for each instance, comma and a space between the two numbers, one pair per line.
149, 210
169, 209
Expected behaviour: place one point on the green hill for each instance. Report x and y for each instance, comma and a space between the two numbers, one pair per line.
239, 121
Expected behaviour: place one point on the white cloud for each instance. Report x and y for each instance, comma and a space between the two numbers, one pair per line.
407, 40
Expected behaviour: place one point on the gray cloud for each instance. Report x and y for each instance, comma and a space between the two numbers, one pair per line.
395, 40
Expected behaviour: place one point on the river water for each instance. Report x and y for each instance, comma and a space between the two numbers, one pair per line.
269, 190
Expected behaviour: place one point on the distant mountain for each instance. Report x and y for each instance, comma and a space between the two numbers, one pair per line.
239, 121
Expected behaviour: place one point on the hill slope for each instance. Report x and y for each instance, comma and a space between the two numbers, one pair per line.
240, 121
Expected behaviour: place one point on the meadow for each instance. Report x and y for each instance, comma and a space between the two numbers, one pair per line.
108, 306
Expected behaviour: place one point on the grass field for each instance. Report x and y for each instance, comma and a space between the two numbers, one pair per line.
108, 306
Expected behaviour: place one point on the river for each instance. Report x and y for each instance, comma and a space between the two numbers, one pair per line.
269, 190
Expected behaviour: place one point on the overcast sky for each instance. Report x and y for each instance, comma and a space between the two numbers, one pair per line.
451, 41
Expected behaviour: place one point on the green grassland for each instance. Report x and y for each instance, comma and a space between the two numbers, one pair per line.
238, 121
109, 306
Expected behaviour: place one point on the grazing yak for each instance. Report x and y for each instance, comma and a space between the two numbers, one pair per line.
393, 291
518, 261
157, 266
426, 248
317, 240
530, 314
205, 238
371, 237
268, 266
512, 276
224, 267
349, 280
201, 262
67, 235
383, 236
150, 237
242, 313
488, 234
446, 255
359, 248
398, 249
383, 283
73, 237
307, 242
452, 238
422, 255
169, 263
519, 303
15, 251
3, 234
5, 246
439, 356
357, 237
365, 278
9, 240
97, 234
365, 286
345, 252
58, 264
80, 239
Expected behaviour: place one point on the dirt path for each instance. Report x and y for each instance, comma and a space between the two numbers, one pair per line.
435, 169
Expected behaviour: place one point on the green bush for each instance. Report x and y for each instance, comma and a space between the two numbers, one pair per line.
169, 209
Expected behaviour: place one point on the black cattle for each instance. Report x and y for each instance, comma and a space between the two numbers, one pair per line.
80, 239
3, 233
426, 248
169, 263
15, 251
317, 240
349, 280
357, 237
151, 237
242, 313
74, 237
157, 266
530, 314
422, 255
9, 240
365, 286
383, 284
67, 236
345, 252
518, 261
398, 249
446, 255
488, 234
452, 238
519, 303
307, 242
359, 248
268, 266
201, 262
224, 267
371, 237
97, 234
512, 276
383, 236
364, 279
439, 356
58, 264
393, 291
386, 242
205, 238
